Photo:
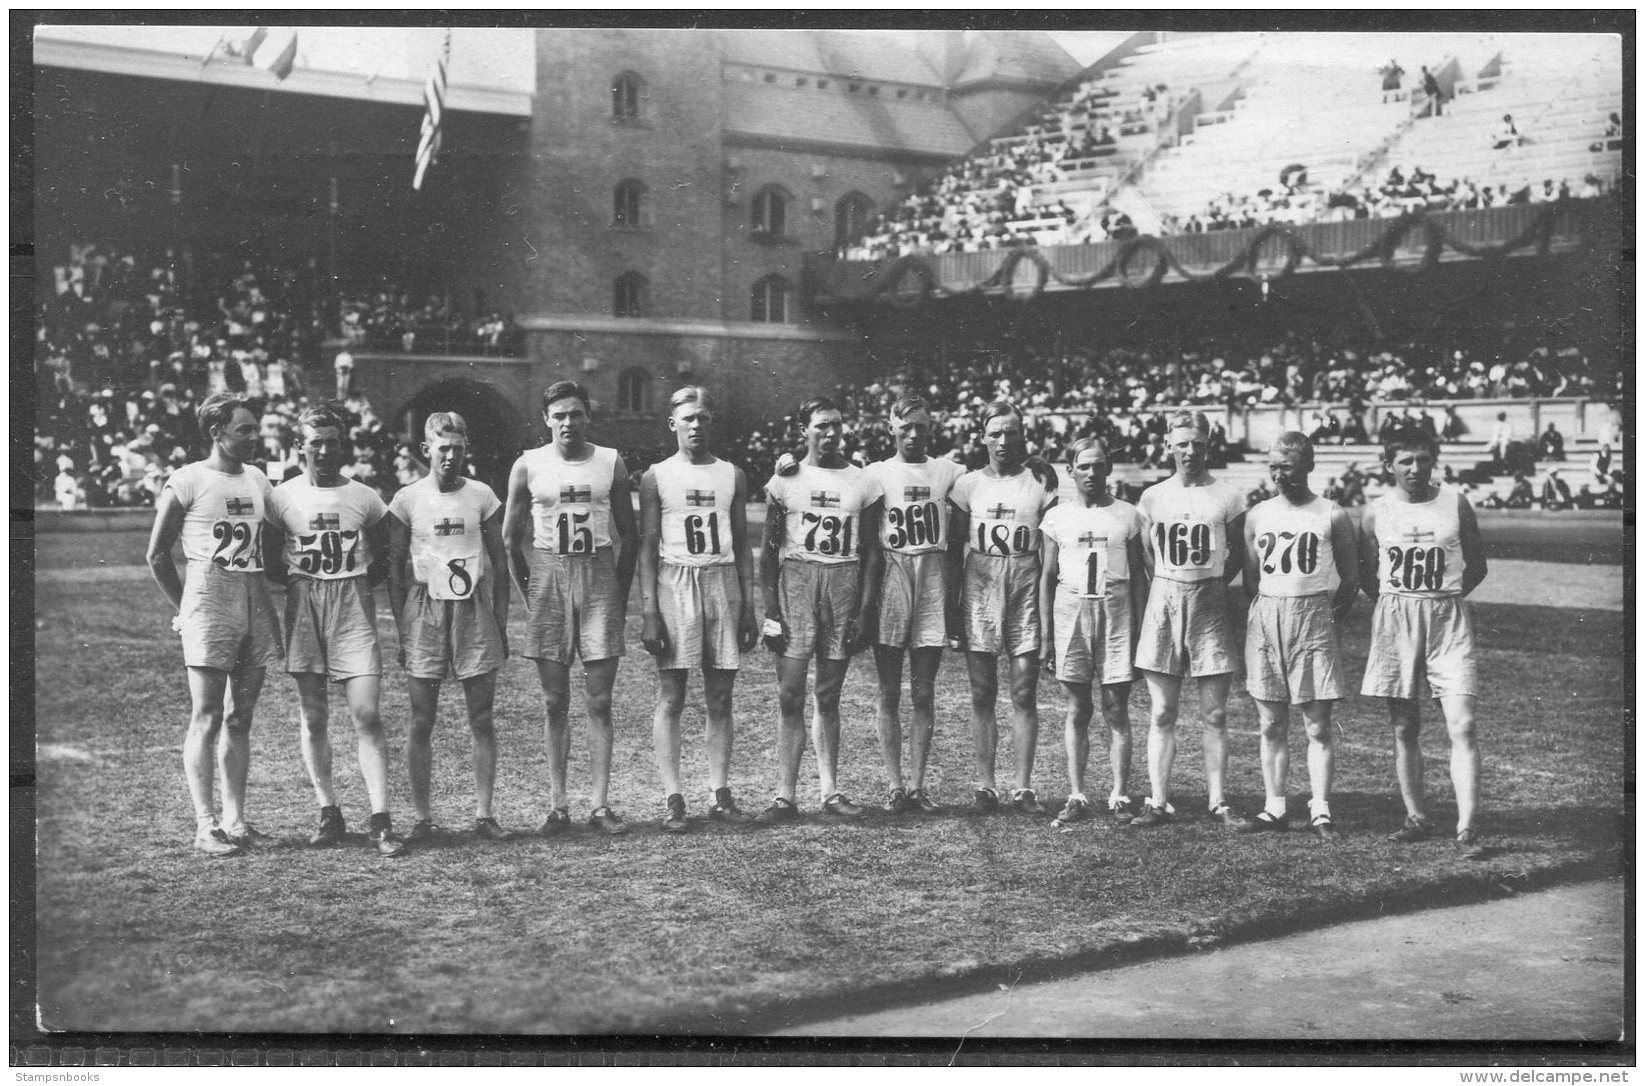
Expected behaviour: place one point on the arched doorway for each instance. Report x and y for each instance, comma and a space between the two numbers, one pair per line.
497, 434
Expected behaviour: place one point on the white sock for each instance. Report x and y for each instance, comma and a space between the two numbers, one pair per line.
1072, 796
1275, 806
1161, 805
1318, 807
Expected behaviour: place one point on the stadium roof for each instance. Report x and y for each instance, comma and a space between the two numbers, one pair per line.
892, 56
789, 115
1030, 55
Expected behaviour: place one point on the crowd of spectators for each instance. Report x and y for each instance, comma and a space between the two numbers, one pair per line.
124, 353
389, 317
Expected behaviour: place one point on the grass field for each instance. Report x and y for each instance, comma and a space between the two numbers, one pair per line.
719, 930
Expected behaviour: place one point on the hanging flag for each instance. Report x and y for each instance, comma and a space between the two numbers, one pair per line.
434, 101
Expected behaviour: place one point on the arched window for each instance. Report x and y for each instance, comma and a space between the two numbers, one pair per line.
634, 390
851, 215
628, 203
768, 302
770, 212
627, 92
630, 295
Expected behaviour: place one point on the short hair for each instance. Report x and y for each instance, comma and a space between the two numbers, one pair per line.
1084, 443
997, 409
812, 406
908, 404
1408, 437
445, 422
1294, 441
561, 390
1188, 420
217, 409
323, 414
696, 394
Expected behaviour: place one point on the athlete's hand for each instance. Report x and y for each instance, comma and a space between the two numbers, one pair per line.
787, 465
748, 631
1048, 654
176, 624
502, 632
775, 634
856, 632
1044, 472
652, 634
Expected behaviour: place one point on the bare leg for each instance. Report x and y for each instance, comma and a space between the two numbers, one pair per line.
480, 694
1321, 753
1163, 692
314, 713
234, 742
425, 705
922, 686
825, 726
1406, 718
1275, 720
1465, 759
1213, 714
665, 726
206, 687
983, 668
1116, 709
362, 692
1076, 733
718, 684
1025, 714
791, 677
555, 679
888, 665
599, 676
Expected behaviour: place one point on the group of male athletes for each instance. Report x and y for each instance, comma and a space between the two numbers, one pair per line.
908, 555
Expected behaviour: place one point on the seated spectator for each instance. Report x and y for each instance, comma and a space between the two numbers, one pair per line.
1507, 134
1551, 445
1556, 492
1519, 497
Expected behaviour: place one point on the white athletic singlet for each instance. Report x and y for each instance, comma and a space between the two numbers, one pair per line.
1005, 512
1419, 545
448, 554
824, 513
1187, 528
1091, 545
915, 518
222, 515
570, 503
326, 527
1293, 546
696, 511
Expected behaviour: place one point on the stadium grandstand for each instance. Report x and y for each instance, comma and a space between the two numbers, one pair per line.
1288, 230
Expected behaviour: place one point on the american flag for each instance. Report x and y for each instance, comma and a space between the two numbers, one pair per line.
241, 507
699, 497
916, 493
575, 495
448, 526
825, 499
434, 108
322, 522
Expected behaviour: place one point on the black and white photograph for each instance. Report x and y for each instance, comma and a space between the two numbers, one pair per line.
958, 537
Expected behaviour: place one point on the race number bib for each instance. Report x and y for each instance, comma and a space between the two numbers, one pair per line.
1416, 568
1184, 544
453, 577
703, 533
239, 545
568, 531
916, 525
1003, 537
1095, 582
832, 535
1287, 552
329, 554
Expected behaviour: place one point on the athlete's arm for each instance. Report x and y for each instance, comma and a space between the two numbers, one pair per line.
1236, 549
399, 576
871, 562
1136, 554
1253, 568
652, 634
1048, 594
1147, 536
377, 536
771, 549
516, 522
1473, 547
748, 631
274, 544
628, 536
168, 525
959, 529
1343, 548
1368, 552
491, 538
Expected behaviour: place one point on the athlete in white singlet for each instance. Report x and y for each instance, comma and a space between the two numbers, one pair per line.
448, 587
226, 619
697, 598
908, 584
1420, 555
571, 498
1301, 574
